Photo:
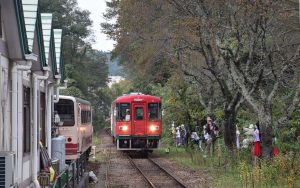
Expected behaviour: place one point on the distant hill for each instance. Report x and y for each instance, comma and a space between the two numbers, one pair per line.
114, 68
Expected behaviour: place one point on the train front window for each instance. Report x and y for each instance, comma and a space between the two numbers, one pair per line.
154, 111
122, 110
139, 113
65, 110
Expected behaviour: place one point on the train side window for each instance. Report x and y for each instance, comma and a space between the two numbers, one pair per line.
85, 116
122, 108
89, 117
139, 113
154, 111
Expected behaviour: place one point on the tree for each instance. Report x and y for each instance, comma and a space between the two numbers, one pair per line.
75, 23
244, 51
162, 47
255, 50
142, 52
85, 68
197, 18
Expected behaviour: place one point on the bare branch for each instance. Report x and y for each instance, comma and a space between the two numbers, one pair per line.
241, 82
288, 113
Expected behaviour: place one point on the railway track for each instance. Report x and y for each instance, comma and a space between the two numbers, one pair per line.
154, 174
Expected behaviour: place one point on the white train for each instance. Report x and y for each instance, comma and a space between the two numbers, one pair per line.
76, 117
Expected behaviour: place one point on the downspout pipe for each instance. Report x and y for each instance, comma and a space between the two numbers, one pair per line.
49, 116
14, 102
1, 113
56, 98
16, 117
35, 144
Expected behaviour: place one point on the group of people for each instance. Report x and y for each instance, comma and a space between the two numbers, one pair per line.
179, 134
210, 134
252, 136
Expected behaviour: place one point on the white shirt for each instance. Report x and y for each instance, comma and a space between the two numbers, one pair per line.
194, 136
256, 136
178, 134
207, 136
127, 117
56, 118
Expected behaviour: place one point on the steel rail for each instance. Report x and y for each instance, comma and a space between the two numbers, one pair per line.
107, 161
168, 173
156, 164
144, 176
107, 169
107, 130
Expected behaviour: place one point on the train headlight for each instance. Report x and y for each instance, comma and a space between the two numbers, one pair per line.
154, 127
123, 128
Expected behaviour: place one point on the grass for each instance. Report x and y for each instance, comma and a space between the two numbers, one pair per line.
224, 176
96, 140
232, 170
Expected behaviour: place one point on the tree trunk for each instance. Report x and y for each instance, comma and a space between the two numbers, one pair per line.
229, 128
266, 132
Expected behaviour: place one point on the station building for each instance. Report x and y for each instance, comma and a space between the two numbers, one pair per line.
31, 73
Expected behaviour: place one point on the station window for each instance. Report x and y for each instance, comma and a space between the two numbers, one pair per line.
0, 23
154, 111
42, 118
122, 109
26, 120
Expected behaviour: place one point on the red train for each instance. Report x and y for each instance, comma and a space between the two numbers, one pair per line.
136, 122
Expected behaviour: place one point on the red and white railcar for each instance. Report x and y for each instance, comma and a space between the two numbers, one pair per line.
136, 122
76, 117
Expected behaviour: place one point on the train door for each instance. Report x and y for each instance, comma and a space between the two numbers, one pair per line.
139, 119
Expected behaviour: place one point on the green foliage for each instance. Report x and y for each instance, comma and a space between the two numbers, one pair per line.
236, 169
86, 69
72, 91
123, 87
281, 171
191, 47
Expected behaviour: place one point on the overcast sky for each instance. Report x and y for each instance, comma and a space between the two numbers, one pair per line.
97, 8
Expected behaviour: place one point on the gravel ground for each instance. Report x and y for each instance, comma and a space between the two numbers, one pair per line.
122, 175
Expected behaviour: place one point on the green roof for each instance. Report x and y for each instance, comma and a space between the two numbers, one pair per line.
21, 27
40, 41
46, 19
57, 40
30, 13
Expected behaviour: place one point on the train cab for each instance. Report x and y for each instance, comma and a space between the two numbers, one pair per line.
136, 122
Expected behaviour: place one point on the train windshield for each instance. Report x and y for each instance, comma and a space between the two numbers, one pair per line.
123, 109
139, 113
154, 111
65, 110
